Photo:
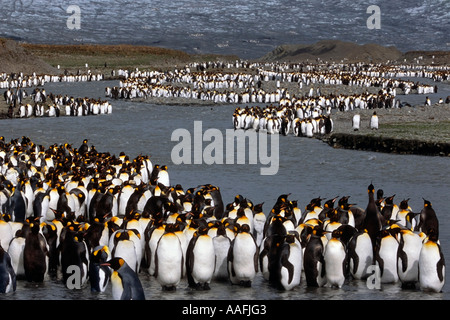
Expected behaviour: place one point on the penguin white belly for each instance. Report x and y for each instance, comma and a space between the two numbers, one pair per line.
429, 269
364, 252
117, 286
169, 259
204, 259
221, 247
15, 251
244, 250
334, 257
388, 253
153, 243
408, 269
291, 278
126, 250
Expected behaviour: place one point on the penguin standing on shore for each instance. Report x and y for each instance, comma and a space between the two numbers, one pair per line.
125, 282
356, 120
431, 265
374, 121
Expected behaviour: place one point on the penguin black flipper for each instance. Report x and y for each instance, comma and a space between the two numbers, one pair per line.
190, 261
402, 256
284, 261
440, 265
352, 256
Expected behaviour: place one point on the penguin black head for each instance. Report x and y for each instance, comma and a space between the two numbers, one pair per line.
115, 263
404, 204
371, 189
426, 203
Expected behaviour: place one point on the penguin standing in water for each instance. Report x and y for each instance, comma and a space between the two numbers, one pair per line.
373, 220
408, 258
125, 282
200, 259
169, 259
99, 274
360, 255
7, 274
74, 252
35, 255
313, 261
374, 121
243, 257
291, 262
431, 265
222, 244
259, 221
386, 255
428, 219
335, 259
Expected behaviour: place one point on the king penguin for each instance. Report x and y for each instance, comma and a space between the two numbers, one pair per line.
200, 260
243, 257
99, 274
373, 218
125, 282
259, 221
7, 274
428, 219
169, 259
386, 255
408, 258
291, 262
431, 265
335, 260
222, 244
355, 122
360, 255
313, 261
374, 121
35, 255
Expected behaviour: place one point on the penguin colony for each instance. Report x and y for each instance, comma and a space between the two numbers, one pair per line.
21, 80
211, 81
113, 218
51, 105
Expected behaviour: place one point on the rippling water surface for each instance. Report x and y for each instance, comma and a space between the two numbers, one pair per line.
308, 168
